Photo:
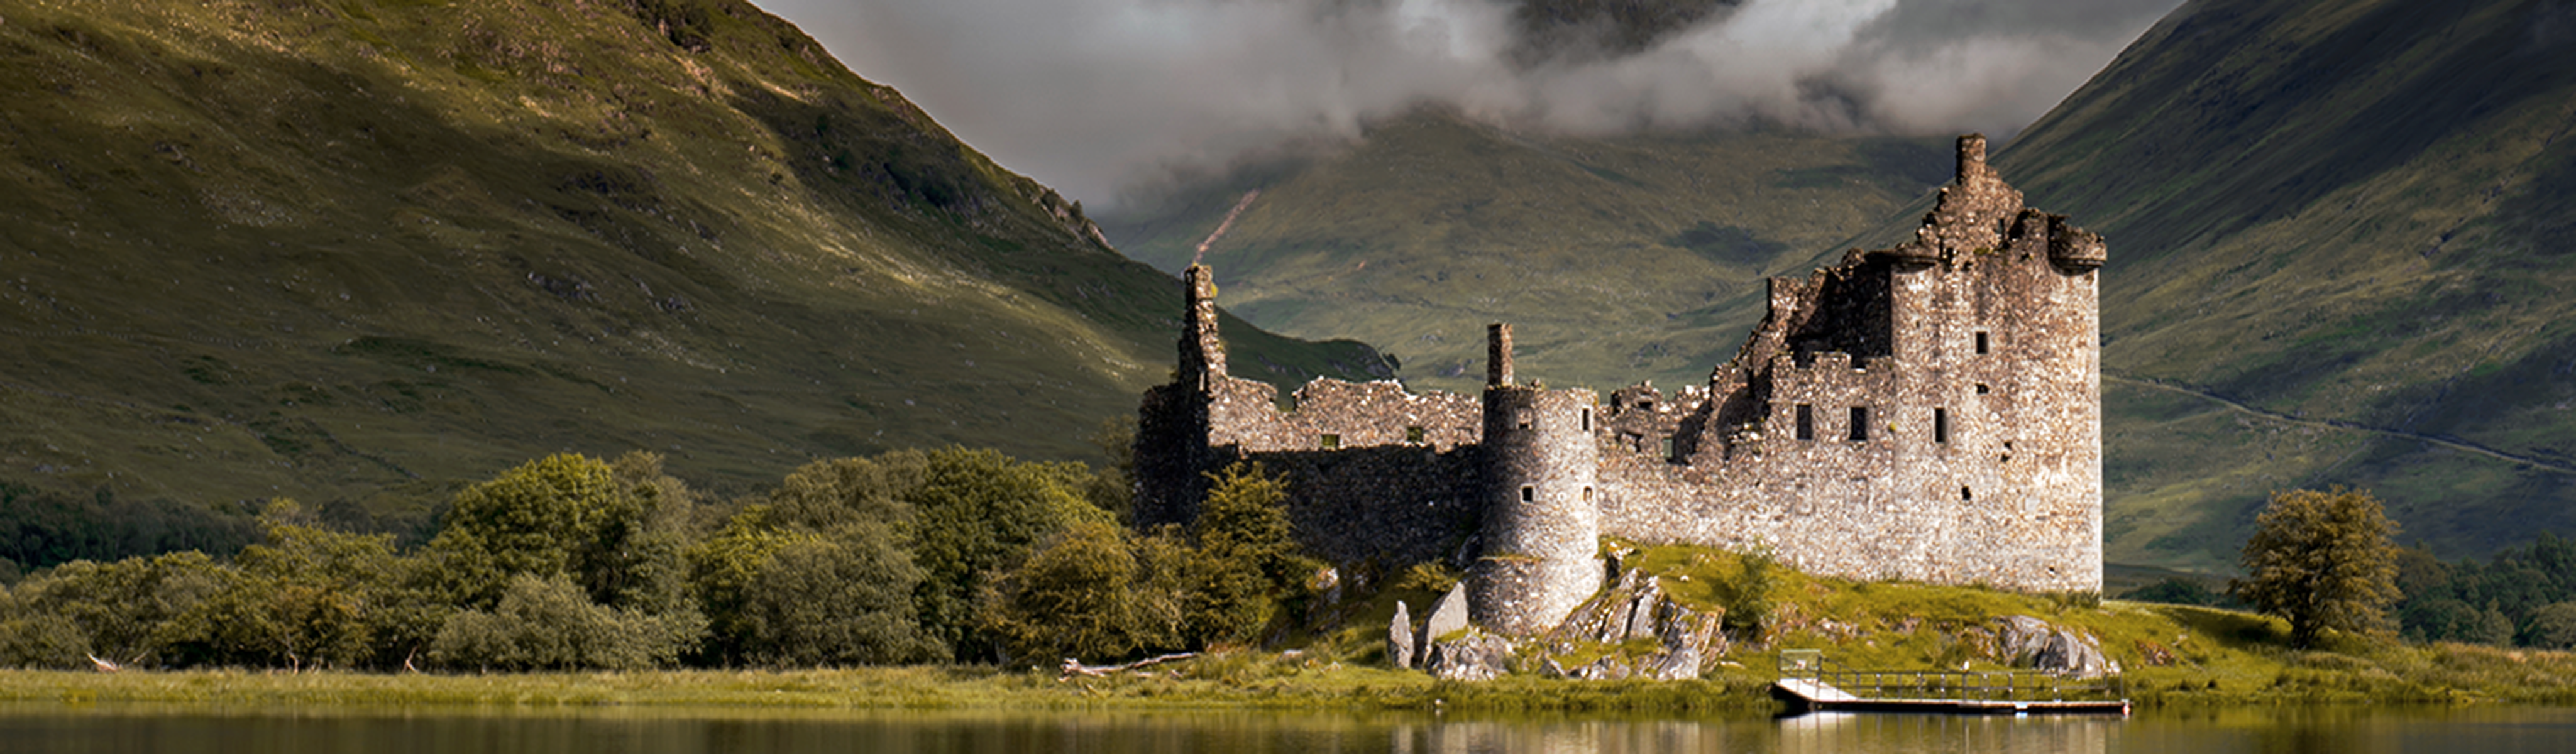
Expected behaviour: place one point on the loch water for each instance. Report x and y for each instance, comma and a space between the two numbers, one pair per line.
134, 729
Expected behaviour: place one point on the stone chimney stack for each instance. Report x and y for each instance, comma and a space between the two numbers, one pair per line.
1972, 157
1498, 355
1202, 353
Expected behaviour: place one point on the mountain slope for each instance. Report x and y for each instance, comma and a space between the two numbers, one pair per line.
1617, 259
358, 249
2353, 219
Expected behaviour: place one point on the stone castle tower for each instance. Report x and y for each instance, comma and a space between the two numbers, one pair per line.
1929, 412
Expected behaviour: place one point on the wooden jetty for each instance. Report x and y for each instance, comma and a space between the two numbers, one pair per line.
1810, 683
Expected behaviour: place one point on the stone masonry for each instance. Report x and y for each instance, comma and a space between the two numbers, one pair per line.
1928, 412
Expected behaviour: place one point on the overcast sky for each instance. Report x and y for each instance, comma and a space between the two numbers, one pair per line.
1096, 96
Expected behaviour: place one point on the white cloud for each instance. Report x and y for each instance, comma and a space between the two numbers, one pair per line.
1091, 95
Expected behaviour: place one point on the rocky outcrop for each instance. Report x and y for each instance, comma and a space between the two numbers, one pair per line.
2027, 642
1633, 608
1448, 616
1477, 656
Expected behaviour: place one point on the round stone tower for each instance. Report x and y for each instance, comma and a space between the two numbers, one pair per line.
1542, 527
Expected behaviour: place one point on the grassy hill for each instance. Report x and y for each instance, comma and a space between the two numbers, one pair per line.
2340, 239
1617, 259
354, 251
2338, 232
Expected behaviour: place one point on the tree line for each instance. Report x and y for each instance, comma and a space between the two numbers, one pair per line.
2327, 561
573, 562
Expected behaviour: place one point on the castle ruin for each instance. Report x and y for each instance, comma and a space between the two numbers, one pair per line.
1929, 412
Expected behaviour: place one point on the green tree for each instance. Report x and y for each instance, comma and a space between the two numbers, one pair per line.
978, 511
826, 495
617, 531
308, 596
783, 594
2493, 628
1249, 566
2322, 560
1094, 591
126, 611
2553, 626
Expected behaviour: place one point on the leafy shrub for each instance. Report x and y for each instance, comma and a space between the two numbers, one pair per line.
129, 611
43, 641
551, 624
785, 595
1746, 592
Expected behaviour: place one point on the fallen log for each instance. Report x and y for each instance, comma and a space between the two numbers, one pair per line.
1073, 667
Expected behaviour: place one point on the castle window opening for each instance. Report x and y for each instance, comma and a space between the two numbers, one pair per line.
1806, 422
1529, 493
1860, 424
1982, 389
1330, 441
1413, 435
1668, 448
1940, 425
1587, 420
1521, 418
1587, 494
1981, 342
1964, 496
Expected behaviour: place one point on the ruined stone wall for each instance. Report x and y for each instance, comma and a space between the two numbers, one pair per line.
1967, 358
1979, 456
1380, 473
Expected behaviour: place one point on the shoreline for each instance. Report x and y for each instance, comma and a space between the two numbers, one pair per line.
1258, 683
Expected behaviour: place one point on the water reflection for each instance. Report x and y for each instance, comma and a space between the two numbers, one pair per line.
111, 729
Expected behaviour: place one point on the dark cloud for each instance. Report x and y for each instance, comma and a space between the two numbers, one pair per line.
1094, 95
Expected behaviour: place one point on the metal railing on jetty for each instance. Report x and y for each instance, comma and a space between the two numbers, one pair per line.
1829, 684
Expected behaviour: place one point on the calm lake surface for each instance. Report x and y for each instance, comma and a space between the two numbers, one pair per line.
126, 729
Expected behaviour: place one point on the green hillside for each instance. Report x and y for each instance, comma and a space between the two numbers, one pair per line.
1617, 259
354, 251
2339, 254
2353, 220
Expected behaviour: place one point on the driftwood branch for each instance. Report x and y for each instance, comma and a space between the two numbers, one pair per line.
1073, 667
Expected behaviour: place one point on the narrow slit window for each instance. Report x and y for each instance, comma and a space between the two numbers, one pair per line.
1860, 424
1964, 496
1668, 447
1587, 420
1529, 493
1940, 425
1331, 441
1982, 389
1806, 422
1981, 342
1413, 435
1587, 494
